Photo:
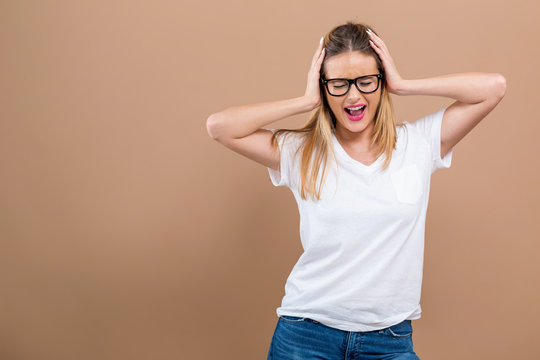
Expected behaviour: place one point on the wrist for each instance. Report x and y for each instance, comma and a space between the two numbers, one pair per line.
402, 87
308, 103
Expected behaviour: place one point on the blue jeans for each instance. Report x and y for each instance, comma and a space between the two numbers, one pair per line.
298, 338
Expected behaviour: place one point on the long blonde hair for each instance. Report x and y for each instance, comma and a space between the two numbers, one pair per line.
317, 132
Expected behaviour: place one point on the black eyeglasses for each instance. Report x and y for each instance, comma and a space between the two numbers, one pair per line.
365, 84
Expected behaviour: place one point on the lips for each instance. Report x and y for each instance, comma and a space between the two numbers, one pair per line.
357, 105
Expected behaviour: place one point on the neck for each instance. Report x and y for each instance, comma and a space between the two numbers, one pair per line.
359, 140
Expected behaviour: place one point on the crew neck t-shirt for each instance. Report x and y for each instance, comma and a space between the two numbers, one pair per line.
363, 241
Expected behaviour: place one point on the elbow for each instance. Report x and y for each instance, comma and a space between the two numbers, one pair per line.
499, 86
211, 125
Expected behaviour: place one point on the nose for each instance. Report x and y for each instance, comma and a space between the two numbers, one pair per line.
354, 93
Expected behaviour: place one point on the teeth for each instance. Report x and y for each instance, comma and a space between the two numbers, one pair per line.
357, 108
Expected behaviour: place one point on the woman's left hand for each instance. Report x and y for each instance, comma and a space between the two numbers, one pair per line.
393, 79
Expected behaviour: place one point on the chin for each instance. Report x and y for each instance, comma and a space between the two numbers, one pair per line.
356, 126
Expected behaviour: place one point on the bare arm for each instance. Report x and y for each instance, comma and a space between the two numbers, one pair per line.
469, 88
240, 127
239, 121
476, 94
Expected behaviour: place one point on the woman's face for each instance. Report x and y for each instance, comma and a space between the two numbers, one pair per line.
351, 65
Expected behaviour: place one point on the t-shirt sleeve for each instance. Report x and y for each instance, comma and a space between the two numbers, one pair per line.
288, 144
430, 128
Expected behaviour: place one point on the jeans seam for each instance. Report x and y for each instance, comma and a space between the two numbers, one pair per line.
290, 321
347, 345
398, 335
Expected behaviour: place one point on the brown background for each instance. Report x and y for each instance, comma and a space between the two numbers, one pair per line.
128, 233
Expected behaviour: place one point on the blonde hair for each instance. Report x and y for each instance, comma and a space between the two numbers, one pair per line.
317, 132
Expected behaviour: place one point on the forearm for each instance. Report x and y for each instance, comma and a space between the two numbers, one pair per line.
240, 121
472, 87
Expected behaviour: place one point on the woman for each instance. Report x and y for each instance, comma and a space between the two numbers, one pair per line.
362, 183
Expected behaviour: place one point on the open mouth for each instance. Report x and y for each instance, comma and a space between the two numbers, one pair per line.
355, 111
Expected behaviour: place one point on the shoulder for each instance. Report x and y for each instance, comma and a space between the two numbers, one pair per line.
428, 123
403, 128
410, 132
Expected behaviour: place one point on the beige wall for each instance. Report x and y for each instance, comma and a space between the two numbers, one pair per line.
126, 232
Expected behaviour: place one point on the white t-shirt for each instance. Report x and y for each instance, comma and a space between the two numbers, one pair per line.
363, 242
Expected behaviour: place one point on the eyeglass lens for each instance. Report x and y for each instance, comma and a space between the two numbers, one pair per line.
365, 84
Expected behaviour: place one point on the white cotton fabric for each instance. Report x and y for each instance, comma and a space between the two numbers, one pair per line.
363, 242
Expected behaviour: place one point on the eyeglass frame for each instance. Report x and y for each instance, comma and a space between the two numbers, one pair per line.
350, 81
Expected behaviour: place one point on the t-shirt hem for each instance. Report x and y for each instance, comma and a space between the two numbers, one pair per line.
446, 161
275, 177
346, 326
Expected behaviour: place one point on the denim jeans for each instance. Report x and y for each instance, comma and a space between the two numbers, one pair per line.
299, 338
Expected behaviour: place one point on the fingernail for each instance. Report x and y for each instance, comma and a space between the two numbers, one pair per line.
322, 38
368, 31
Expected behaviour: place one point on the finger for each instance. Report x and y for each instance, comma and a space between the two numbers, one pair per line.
319, 48
375, 39
320, 60
380, 50
321, 54
378, 41
316, 61
375, 47
372, 34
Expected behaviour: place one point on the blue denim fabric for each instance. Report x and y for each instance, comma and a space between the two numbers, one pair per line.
298, 338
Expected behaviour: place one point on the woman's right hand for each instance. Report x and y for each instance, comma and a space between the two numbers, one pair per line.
313, 90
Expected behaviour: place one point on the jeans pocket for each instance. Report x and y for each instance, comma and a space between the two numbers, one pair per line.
407, 183
401, 330
292, 319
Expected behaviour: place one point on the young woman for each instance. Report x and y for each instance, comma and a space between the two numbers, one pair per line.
362, 184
